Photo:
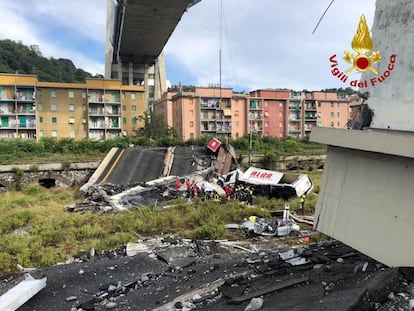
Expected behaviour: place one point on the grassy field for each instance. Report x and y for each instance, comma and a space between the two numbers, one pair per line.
36, 231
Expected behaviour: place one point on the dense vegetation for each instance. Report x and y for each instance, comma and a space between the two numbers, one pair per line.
17, 57
68, 149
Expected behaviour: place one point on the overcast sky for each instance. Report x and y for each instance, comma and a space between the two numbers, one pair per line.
265, 43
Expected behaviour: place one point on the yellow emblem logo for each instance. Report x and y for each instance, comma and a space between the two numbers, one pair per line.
362, 44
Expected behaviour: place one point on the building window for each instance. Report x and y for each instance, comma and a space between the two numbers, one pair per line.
54, 133
133, 108
83, 94
133, 96
332, 124
123, 95
191, 124
72, 134
123, 120
134, 120
236, 114
40, 119
41, 133
84, 107
338, 124
332, 104
266, 124
71, 120
85, 134
123, 107
191, 112
280, 124
319, 104
332, 114
53, 107
71, 107
54, 120
337, 114
40, 107
53, 93
71, 94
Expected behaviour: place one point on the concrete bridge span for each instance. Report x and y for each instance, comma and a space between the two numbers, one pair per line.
136, 33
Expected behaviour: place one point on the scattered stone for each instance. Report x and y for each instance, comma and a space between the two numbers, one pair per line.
71, 298
255, 304
196, 298
111, 305
411, 305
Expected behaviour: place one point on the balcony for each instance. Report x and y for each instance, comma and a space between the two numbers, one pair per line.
255, 116
208, 117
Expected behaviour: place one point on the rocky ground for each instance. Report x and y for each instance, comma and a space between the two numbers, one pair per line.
171, 274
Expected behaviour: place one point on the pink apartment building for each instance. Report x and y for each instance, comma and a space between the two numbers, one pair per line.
221, 113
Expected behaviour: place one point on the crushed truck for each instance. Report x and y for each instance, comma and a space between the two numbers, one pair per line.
269, 183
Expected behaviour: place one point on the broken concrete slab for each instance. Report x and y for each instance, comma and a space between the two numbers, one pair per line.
177, 256
22, 292
269, 290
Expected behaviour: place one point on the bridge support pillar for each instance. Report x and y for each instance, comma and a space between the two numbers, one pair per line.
366, 195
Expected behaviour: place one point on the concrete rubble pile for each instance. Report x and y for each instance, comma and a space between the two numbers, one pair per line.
174, 274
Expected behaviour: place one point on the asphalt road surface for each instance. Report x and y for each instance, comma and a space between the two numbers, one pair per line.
137, 165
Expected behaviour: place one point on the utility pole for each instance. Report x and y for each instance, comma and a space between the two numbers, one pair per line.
250, 146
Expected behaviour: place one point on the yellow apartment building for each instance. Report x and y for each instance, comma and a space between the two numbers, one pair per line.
97, 109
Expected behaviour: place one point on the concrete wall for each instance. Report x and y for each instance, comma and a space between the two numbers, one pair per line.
366, 196
65, 175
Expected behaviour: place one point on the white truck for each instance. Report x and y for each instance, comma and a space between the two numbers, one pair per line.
271, 183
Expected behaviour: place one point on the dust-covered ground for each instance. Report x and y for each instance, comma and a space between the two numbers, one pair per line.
171, 274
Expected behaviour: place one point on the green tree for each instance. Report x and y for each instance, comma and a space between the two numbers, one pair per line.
156, 127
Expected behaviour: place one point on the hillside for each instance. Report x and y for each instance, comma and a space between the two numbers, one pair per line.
17, 57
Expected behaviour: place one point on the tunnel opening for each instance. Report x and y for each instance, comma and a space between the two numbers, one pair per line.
47, 182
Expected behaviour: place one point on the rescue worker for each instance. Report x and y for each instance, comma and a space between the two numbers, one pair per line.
252, 219
195, 191
249, 193
229, 191
177, 184
302, 203
188, 185
216, 197
240, 192
203, 194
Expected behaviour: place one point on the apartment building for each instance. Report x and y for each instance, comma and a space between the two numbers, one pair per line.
97, 109
269, 112
202, 111
325, 109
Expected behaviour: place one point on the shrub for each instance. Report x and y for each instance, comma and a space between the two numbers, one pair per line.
209, 231
15, 220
